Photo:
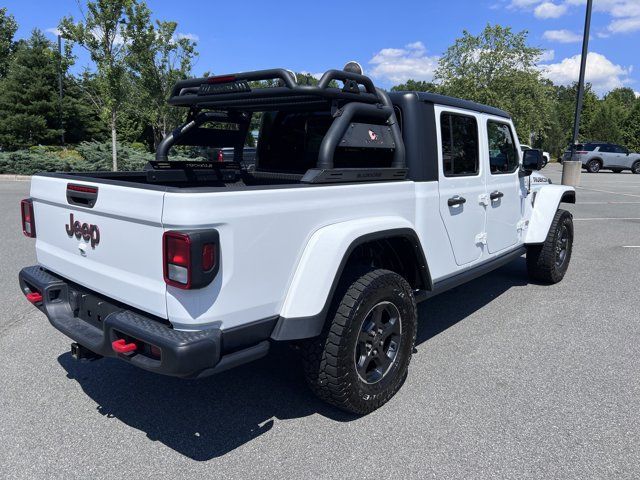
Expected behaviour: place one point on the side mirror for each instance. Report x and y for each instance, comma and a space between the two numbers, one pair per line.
532, 160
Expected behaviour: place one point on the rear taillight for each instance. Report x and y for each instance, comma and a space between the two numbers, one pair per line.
177, 257
581, 152
220, 156
28, 219
190, 258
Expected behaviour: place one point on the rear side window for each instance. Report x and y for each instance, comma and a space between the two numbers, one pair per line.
606, 149
459, 145
503, 156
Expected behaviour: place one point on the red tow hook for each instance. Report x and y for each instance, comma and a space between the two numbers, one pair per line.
34, 297
121, 346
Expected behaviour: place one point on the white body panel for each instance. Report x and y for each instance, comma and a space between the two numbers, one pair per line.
263, 234
126, 264
466, 221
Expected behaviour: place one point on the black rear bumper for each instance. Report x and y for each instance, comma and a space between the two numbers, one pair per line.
96, 322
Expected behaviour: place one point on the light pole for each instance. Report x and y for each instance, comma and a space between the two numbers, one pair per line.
571, 169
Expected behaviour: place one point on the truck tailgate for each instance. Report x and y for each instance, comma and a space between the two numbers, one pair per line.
113, 247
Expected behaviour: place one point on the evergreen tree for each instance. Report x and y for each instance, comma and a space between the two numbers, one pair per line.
29, 109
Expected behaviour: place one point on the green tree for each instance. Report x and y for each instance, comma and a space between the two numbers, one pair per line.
560, 122
8, 27
159, 57
498, 67
624, 97
102, 33
631, 128
606, 124
416, 86
81, 121
29, 111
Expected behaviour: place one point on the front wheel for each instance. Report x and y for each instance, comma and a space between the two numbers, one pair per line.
548, 262
362, 358
636, 168
594, 166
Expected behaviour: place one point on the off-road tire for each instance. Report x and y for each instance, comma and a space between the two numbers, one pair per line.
329, 360
545, 262
594, 166
635, 168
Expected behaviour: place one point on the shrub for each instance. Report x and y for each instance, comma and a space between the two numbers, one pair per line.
84, 157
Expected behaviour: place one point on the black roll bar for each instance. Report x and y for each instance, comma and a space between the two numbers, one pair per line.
343, 118
162, 152
382, 113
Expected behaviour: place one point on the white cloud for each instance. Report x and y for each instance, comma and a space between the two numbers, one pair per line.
397, 65
637, 94
189, 36
53, 31
601, 72
562, 36
625, 14
550, 10
625, 25
547, 56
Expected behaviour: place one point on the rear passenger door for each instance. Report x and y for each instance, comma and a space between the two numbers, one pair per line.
504, 209
461, 182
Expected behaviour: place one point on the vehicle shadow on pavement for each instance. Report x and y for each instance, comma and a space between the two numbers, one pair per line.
453, 306
204, 419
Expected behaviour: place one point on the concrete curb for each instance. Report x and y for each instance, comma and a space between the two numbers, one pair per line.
9, 177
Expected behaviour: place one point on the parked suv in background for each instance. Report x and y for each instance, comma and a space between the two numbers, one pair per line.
596, 156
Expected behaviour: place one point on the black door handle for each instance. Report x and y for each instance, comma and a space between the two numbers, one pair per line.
496, 195
456, 200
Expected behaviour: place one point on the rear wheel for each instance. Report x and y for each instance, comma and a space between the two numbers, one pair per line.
362, 358
548, 262
636, 168
594, 166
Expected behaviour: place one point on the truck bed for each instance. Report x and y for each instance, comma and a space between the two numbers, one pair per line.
143, 179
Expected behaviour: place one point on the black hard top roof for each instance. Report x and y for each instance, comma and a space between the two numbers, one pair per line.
455, 102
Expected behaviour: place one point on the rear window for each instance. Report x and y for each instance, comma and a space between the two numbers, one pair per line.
584, 147
459, 145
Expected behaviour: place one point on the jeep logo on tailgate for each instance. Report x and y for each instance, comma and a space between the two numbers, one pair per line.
83, 230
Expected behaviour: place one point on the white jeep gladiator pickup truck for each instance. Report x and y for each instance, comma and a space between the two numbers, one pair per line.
361, 204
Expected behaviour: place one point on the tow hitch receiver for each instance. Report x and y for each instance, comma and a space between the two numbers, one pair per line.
121, 346
78, 352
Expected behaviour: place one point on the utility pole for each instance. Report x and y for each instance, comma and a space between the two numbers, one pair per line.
571, 169
60, 89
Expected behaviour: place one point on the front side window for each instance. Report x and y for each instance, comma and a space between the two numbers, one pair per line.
460, 151
503, 156
619, 149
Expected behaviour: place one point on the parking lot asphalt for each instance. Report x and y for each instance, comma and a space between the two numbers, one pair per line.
510, 380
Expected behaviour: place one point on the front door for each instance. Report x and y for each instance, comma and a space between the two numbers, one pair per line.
503, 187
461, 183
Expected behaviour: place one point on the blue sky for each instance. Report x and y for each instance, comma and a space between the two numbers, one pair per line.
392, 41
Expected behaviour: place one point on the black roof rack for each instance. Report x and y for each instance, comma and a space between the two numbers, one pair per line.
280, 88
